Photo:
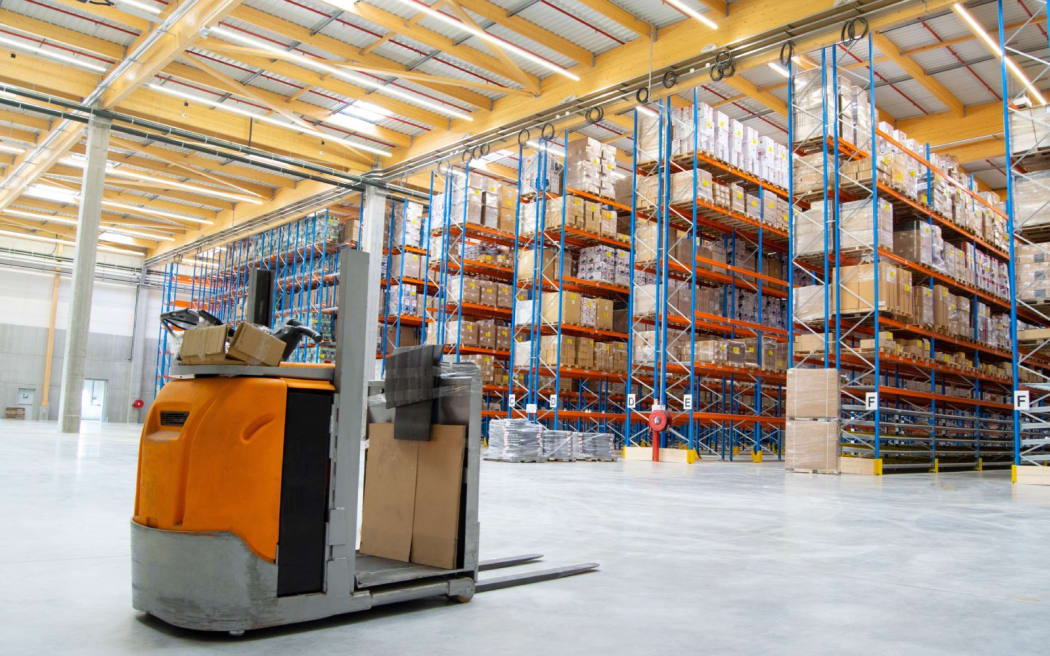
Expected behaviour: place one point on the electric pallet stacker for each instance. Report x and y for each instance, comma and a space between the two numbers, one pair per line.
246, 512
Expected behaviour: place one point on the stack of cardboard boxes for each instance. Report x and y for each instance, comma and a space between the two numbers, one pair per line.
811, 435
591, 167
575, 310
574, 352
479, 291
1033, 272
714, 134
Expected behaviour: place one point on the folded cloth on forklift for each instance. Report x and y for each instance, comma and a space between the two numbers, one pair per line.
409, 387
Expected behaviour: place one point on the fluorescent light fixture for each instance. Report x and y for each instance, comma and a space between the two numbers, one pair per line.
149, 210
268, 119
113, 170
106, 234
46, 192
478, 32
349, 76
367, 111
779, 69
997, 51
645, 111
38, 49
152, 9
689, 11
13, 150
64, 242
267, 160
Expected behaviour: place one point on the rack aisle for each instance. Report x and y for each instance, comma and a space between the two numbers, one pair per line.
303, 256
900, 279
571, 279
1027, 121
708, 234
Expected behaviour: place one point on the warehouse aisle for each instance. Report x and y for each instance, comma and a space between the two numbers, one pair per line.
718, 557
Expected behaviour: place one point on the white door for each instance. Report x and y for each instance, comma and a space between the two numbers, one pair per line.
93, 400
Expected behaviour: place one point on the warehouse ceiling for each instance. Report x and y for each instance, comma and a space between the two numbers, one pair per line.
361, 85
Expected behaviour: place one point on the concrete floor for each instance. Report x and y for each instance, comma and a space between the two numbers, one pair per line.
715, 558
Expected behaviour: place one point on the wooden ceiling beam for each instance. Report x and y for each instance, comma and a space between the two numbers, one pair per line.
52, 32
273, 63
395, 23
295, 32
106, 13
509, 68
912, 68
529, 30
621, 16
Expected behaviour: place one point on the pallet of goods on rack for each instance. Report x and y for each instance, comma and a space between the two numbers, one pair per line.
708, 314
900, 286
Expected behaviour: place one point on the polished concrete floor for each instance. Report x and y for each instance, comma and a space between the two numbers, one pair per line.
715, 558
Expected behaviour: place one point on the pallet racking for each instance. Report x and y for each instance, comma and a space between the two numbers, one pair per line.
1027, 136
304, 258
561, 319
918, 336
708, 236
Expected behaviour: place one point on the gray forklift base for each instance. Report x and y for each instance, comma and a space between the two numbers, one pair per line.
223, 586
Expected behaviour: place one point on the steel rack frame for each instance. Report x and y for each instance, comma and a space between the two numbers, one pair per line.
592, 406
717, 409
884, 416
447, 266
303, 256
1027, 133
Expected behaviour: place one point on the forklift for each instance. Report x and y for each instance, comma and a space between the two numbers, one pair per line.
246, 508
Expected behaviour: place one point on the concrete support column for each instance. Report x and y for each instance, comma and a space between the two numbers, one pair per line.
138, 352
373, 215
83, 275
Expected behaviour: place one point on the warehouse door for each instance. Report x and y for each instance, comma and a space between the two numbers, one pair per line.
93, 400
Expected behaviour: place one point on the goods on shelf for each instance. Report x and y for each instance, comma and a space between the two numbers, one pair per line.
1032, 264
714, 134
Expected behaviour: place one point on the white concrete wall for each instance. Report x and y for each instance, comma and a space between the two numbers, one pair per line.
25, 301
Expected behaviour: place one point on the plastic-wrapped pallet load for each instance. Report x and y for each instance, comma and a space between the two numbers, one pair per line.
557, 445
594, 446
515, 440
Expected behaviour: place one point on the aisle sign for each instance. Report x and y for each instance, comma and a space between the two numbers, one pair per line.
1022, 400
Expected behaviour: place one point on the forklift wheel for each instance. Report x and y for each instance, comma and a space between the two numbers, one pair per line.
463, 598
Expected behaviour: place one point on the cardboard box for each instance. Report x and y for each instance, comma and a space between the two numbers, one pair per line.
503, 336
439, 487
812, 393
389, 494
253, 345
806, 343
604, 317
487, 293
570, 308
486, 334
205, 345
585, 353
504, 295
412, 496
549, 346
602, 357
812, 445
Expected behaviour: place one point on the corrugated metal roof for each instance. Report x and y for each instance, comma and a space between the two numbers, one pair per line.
109, 29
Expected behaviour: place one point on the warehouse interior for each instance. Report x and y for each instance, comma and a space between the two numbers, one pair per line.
326, 316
